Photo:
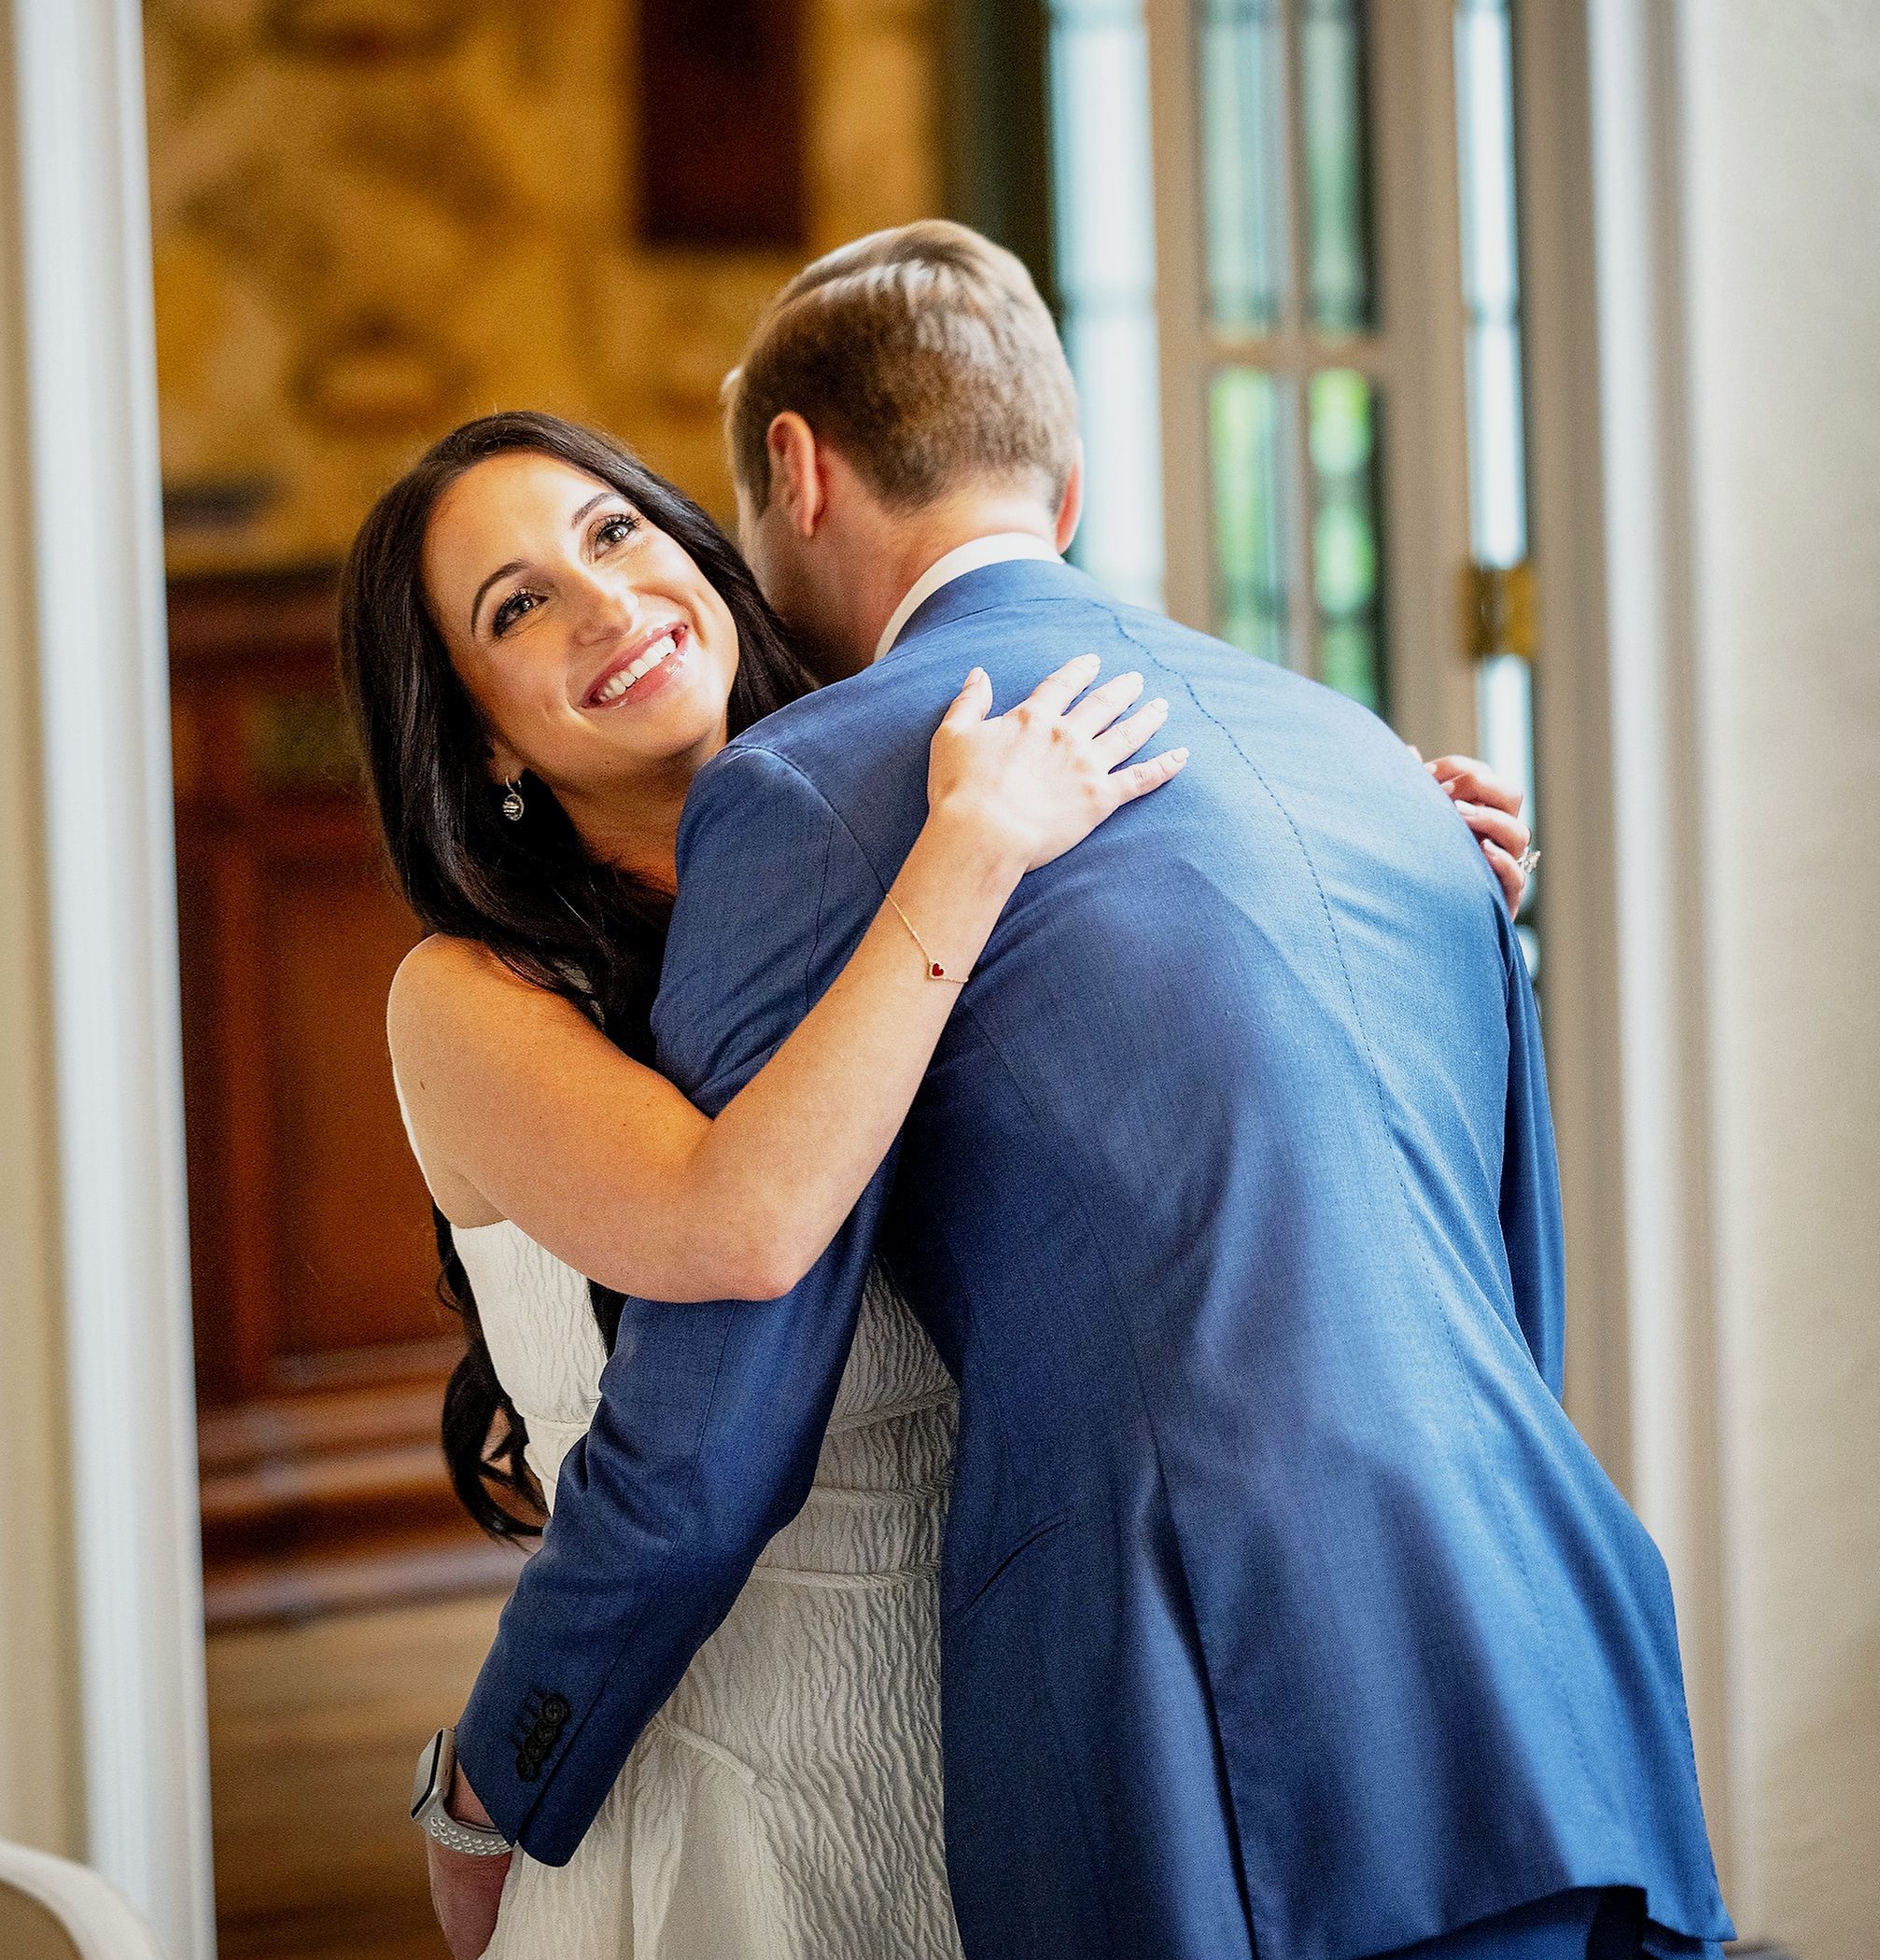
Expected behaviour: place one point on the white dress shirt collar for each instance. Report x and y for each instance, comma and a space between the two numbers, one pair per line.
963, 558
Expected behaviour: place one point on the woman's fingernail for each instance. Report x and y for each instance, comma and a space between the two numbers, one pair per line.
1158, 706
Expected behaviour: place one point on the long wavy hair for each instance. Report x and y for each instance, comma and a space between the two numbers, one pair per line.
528, 890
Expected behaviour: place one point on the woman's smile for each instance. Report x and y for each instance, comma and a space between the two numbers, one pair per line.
640, 670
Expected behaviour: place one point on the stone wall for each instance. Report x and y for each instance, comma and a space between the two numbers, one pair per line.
374, 217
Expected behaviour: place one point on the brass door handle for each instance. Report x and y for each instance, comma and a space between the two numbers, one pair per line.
1498, 604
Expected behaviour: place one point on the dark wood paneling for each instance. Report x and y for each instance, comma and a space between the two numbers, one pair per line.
719, 117
321, 1349
357, 1255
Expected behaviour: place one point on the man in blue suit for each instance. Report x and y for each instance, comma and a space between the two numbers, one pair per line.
1282, 1610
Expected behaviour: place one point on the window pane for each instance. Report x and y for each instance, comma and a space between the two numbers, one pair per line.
1250, 595
1119, 541
1342, 436
1105, 253
1338, 164
1497, 485
1100, 104
1485, 136
1491, 284
1244, 175
1504, 712
1504, 708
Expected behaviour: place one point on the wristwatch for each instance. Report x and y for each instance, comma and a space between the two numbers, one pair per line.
430, 1792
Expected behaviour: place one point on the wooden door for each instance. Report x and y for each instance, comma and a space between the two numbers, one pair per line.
321, 1350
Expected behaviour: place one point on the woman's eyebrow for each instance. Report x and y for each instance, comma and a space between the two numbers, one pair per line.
515, 565
502, 572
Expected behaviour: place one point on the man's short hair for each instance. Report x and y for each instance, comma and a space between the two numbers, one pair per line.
925, 357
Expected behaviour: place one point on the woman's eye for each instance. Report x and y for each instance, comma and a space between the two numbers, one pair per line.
614, 529
510, 611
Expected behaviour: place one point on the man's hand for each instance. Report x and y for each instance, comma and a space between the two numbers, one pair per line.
465, 1891
1491, 809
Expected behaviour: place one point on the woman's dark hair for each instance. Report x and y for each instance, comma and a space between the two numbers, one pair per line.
527, 890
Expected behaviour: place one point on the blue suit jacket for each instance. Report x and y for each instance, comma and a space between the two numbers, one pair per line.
1279, 1600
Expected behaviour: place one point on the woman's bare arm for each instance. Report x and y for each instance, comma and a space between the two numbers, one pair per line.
522, 1110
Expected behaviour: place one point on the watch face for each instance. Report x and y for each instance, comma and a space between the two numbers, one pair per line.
427, 1778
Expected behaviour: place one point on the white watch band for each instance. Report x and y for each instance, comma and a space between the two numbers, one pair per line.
431, 1793
467, 1837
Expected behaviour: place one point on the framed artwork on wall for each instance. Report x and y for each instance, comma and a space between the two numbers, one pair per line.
719, 124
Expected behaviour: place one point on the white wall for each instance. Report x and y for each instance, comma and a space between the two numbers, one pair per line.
1780, 118
108, 1615
39, 1746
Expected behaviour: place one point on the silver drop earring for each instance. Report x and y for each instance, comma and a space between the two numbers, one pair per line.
511, 804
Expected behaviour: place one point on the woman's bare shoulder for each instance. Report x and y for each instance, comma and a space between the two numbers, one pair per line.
508, 1085
447, 990
443, 960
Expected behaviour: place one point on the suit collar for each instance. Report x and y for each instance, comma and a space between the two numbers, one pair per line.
1010, 583
993, 549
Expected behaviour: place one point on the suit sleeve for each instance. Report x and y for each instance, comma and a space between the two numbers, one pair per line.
1530, 1184
710, 1416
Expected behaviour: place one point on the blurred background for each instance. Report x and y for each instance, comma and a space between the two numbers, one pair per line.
1512, 365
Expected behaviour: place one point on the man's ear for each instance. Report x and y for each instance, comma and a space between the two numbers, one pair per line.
796, 471
1071, 505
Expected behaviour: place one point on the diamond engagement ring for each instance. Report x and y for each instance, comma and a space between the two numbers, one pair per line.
1527, 860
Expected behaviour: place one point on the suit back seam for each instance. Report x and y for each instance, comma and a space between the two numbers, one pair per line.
1511, 1537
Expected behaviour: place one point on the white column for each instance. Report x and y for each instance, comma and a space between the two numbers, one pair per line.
1781, 175
1729, 551
98, 591
39, 1772
1674, 1470
1630, 853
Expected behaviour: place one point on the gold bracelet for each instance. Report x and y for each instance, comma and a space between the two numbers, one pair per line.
934, 970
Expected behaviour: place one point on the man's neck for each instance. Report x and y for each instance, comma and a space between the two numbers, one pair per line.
910, 547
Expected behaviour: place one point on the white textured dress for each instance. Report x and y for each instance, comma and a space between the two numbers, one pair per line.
785, 1803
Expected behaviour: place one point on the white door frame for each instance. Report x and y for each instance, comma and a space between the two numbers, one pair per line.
97, 540
1628, 857
1424, 487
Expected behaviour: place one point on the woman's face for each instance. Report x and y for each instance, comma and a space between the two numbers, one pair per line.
600, 656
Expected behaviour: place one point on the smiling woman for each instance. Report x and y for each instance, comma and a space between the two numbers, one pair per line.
600, 656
